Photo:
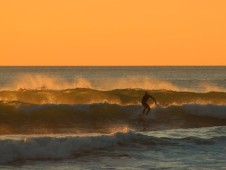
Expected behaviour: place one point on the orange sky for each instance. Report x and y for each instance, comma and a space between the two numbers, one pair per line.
113, 32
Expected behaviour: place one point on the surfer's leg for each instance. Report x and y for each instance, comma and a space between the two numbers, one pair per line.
144, 109
148, 107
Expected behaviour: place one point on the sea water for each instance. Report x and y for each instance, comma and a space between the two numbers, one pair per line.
90, 118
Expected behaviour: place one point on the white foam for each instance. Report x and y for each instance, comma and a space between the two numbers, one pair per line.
36, 148
64, 147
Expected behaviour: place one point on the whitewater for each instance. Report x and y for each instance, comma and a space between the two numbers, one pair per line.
90, 118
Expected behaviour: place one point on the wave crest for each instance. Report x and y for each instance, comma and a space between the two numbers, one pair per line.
118, 96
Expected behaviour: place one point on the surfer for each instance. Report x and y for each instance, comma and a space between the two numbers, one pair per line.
144, 102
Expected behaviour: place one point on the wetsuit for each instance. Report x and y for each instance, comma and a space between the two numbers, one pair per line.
144, 102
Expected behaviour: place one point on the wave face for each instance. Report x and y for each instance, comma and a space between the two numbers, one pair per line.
20, 118
117, 96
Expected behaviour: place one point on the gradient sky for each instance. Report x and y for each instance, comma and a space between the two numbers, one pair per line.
113, 32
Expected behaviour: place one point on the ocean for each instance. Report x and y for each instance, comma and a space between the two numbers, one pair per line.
91, 118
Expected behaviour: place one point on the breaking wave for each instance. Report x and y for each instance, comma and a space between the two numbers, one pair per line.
50, 82
117, 96
36, 148
20, 118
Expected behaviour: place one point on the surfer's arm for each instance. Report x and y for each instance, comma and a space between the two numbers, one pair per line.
153, 99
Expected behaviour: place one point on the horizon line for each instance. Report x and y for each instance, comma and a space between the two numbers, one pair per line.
112, 65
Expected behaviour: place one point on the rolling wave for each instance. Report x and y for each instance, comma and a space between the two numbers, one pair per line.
17, 118
58, 147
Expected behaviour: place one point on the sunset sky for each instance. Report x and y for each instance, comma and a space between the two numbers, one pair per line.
113, 32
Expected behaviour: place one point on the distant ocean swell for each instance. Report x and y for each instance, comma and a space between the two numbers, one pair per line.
20, 118
65, 147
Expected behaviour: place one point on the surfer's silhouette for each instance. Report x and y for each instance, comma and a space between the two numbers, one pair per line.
144, 102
